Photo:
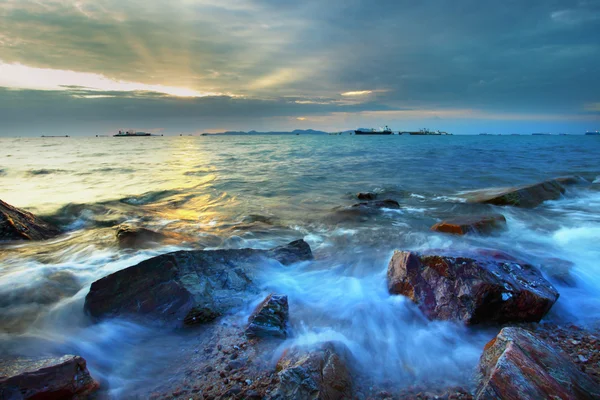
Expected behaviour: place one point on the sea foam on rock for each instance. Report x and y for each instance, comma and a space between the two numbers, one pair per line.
17, 224
320, 373
484, 289
186, 287
49, 378
518, 365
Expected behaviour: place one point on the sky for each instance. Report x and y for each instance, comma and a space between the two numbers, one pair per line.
86, 67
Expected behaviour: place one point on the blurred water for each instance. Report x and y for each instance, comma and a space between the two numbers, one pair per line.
231, 192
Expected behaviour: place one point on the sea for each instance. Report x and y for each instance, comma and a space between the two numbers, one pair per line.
227, 192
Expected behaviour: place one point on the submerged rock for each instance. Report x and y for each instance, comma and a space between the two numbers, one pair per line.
321, 373
17, 224
483, 290
45, 378
269, 318
518, 365
471, 224
134, 237
366, 196
387, 203
521, 196
186, 287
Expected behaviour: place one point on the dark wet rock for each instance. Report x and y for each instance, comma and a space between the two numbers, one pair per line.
259, 218
518, 365
321, 373
269, 318
387, 203
186, 287
366, 196
522, 196
45, 378
472, 290
129, 236
471, 224
572, 180
17, 224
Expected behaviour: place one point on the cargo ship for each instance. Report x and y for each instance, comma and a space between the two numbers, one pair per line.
364, 131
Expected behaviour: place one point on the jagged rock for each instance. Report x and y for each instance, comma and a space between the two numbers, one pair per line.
387, 203
17, 224
518, 365
186, 287
321, 373
134, 237
366, 196
269, 318
471, 224
486, 289
522, 196
45, 378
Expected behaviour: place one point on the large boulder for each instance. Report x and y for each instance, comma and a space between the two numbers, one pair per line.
487, 289
269, 318
50, 378
320, 373
518, 365
17, 224
186, 287
471, 224
521, 196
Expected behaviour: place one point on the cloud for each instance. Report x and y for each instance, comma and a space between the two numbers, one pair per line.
302, 59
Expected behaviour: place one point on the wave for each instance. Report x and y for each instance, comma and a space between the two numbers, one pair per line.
45, 171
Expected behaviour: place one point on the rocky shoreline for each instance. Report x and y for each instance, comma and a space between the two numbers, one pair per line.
198, 289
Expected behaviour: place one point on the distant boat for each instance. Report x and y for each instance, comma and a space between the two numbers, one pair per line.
541, 134
593, 133
54, 136
131, 133
364, 131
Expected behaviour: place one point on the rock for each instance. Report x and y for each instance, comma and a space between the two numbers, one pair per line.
186, 287
320, 373
269, 318
490, 289
471, 224
366, 196
518, 365
135, 237
387, 203
17, 224
45, 378
522, 196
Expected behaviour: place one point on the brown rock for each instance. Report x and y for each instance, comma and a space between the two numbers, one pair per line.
186, 287
50, 378
321, 373
481, 290
17, 224
522, 196
269, 318
471, 224
518, 365
135, 237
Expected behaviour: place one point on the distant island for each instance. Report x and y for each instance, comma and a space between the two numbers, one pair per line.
294, 132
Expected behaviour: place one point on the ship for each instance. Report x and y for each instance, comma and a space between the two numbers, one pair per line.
131, 133
364, 131
541, 134
425, 131
593, 133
